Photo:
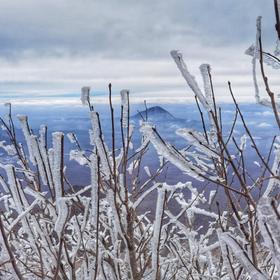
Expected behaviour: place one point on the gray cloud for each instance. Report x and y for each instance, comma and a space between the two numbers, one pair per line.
60, 45
126, 28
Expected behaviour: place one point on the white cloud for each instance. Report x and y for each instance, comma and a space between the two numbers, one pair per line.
57, 46
264, 125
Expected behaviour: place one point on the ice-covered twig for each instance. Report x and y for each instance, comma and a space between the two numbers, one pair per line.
170, 153
100, 145
255, 52
94, 189
268, 59
205, 70
26, 132
85, 95
57, 168
198, 140
62, 209
241, 255
125, 107
38, 157
274, 182
23, 214
78, 156
270, 229
178, 58
157, 233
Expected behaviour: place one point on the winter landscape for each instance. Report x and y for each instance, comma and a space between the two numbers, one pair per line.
142, 183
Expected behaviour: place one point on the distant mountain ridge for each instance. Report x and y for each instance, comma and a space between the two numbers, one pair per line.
155, 113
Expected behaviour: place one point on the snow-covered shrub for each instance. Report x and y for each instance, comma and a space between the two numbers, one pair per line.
50, 230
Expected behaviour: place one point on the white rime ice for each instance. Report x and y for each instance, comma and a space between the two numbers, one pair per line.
178, 58
243, 142
72, 138
267, 58
38, 158
23, 214
99, 143
170, 153
57, 138
147, 170
111, 220
254, 51
198, 140
205, 71
13, 187
273, 182
27, 134
10, 149
44, 155
211, 196
78, 156
94, 188
4, 184
205, 99
125, 107
239, 253
270, 229
85, 95
129, 223
157, 232
254, 60
225, 255
62, 209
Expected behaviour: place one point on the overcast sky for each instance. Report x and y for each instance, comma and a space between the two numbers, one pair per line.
55, 47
